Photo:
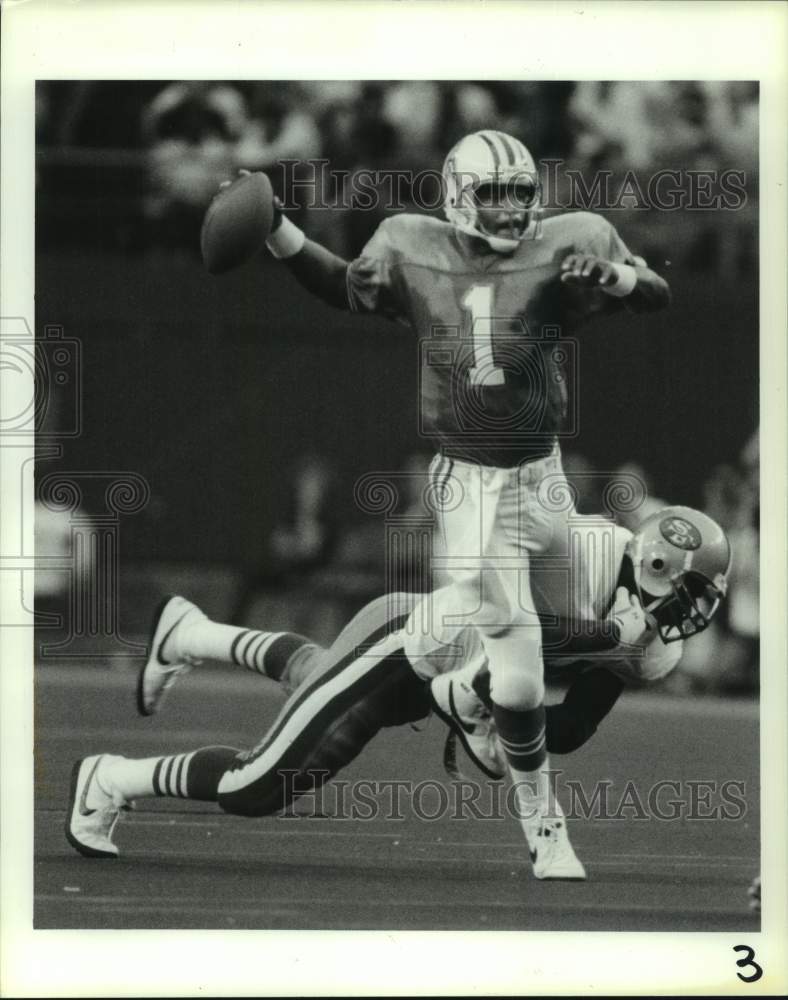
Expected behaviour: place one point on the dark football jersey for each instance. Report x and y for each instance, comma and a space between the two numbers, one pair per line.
494, 331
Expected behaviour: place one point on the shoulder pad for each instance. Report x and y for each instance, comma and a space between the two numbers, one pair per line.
416, 236
577, 224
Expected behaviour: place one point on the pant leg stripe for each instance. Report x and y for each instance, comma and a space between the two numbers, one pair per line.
301, 759
339, 686
434, 470
447, 473
325, 676
440, 479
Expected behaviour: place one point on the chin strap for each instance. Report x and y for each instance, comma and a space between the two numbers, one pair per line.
503, 244
464, 218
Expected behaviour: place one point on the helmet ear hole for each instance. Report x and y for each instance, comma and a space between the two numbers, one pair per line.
681, 559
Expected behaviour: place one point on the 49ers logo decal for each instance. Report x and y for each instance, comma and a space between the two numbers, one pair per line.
680, 533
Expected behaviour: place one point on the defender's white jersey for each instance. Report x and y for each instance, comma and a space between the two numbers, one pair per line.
575, 580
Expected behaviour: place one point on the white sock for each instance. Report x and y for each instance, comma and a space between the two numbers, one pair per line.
535, 796
205, 639
135, 779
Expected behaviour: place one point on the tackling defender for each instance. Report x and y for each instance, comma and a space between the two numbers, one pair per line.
487, 293
676, 564
481, 290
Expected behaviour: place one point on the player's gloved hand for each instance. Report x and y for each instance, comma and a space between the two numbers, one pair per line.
631, 622
278, 207
586, 271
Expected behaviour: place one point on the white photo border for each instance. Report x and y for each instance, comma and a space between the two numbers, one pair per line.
261, 39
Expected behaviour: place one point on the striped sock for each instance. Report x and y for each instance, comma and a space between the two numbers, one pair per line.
170, 775
264, 652
522, 735
193, 775
136, 779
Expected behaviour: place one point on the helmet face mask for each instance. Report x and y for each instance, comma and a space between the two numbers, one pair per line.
503, 209
681, 559
687, 610
487, 177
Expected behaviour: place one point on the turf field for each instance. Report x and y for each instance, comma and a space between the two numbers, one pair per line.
187, 865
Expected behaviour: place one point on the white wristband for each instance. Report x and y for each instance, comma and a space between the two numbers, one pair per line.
627, 279
286, 241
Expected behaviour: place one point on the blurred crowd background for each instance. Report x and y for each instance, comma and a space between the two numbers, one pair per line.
253, 412
164, 148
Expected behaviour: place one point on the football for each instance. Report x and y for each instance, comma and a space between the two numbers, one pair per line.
237, 223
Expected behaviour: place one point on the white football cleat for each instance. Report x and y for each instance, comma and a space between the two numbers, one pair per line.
159, 674
92, 813
552, 855
474, 729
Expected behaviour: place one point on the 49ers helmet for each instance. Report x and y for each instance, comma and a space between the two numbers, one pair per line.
681, 559
489, 157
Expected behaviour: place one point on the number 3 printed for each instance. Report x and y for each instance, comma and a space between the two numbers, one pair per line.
748, 960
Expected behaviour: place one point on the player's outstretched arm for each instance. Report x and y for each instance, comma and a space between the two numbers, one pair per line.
642, 289
234, 229
248, 213
320, 271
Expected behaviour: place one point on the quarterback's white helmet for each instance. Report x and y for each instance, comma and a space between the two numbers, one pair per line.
489, 157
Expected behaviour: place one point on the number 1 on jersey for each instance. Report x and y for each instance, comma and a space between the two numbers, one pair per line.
479, 302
